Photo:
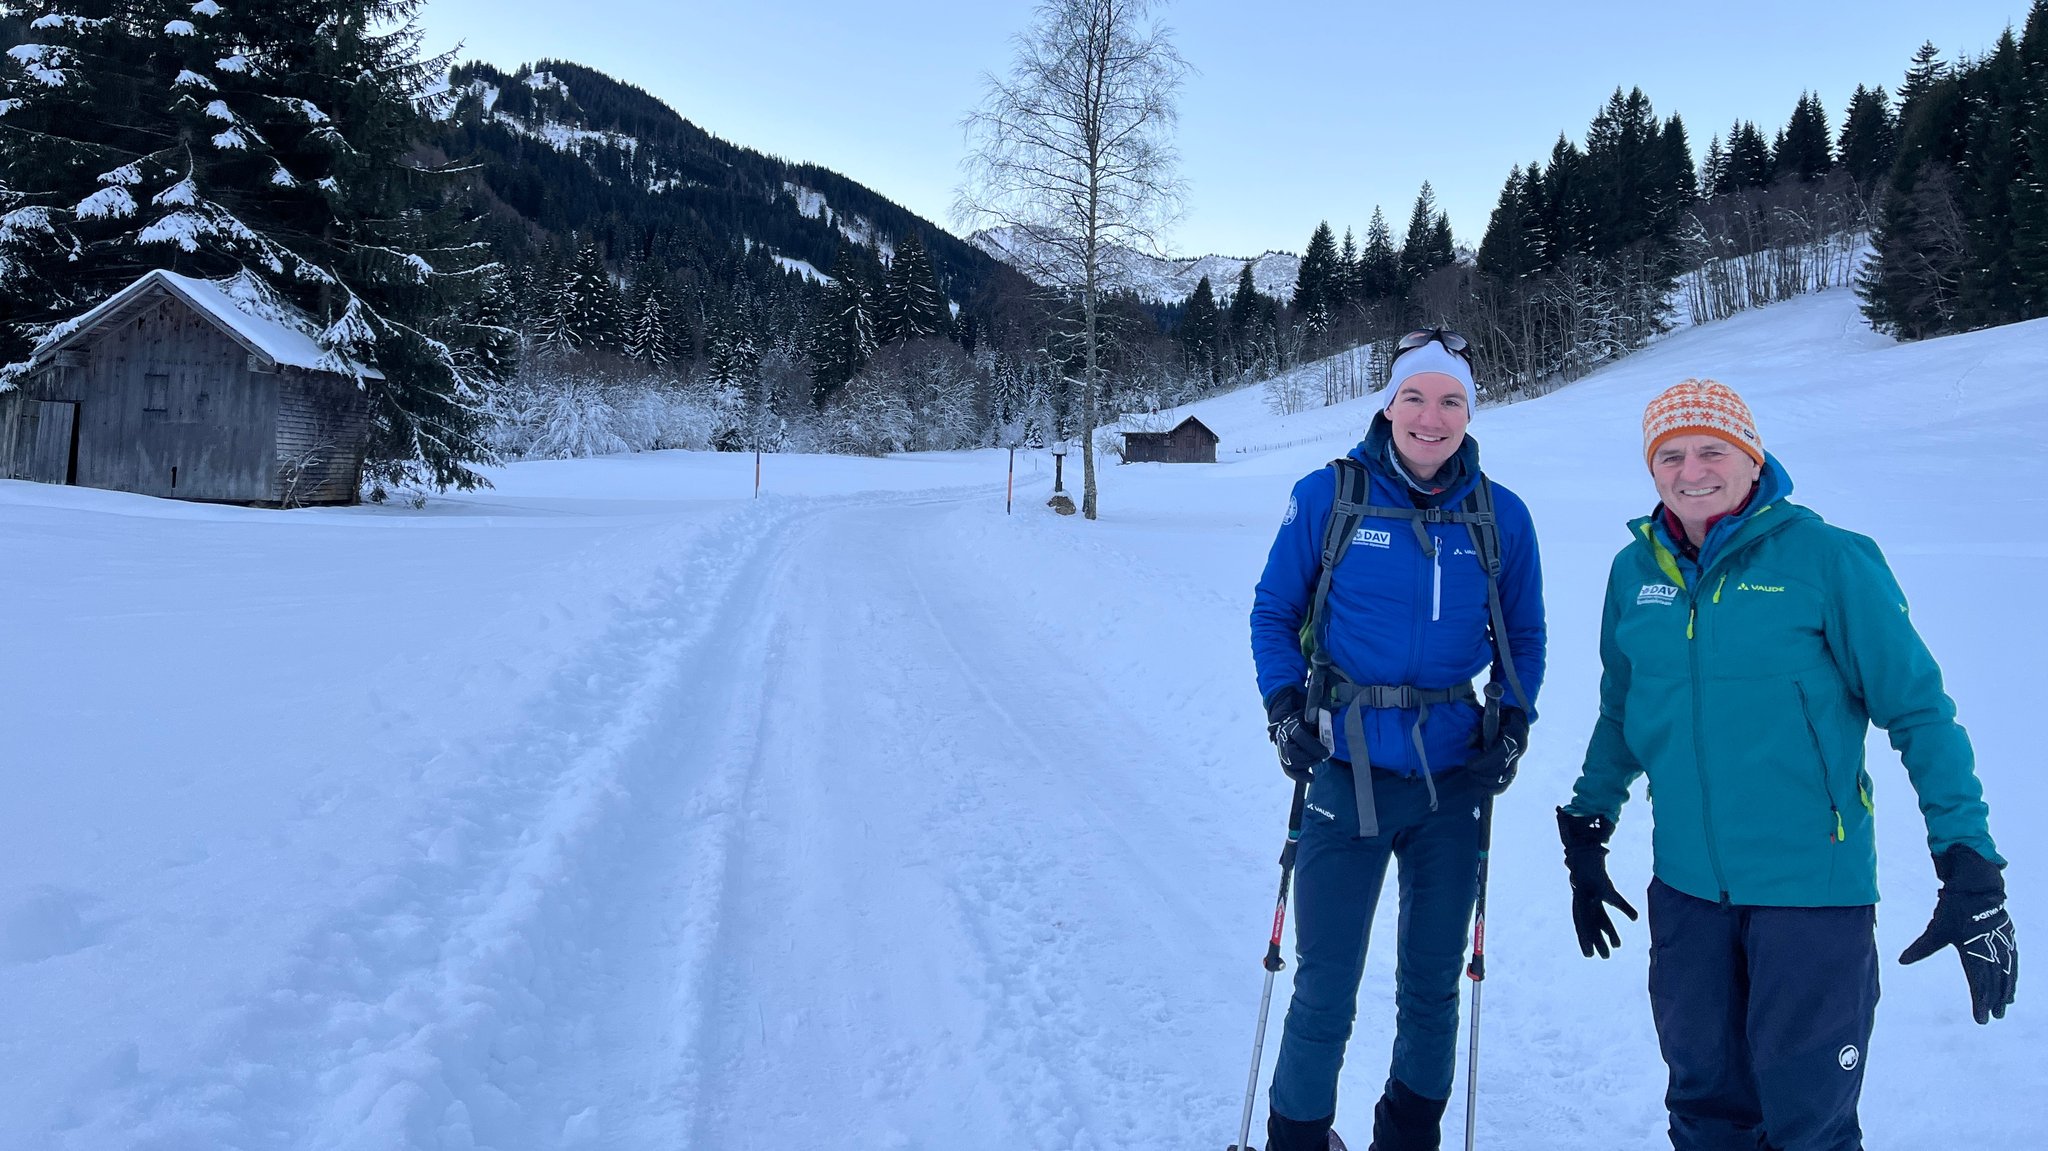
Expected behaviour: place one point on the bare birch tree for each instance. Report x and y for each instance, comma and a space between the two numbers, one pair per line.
1071, 156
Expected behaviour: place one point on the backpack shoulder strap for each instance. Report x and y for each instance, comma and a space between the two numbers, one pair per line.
1485, 529
1484, 526
1353, 487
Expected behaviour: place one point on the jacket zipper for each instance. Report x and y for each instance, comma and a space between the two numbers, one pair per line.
1839, 834
1436, 597
1699, 756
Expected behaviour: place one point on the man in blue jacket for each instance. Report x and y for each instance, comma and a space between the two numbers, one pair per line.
1391, 741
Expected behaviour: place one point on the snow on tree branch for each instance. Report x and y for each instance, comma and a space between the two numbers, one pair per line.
114, 203
44, 63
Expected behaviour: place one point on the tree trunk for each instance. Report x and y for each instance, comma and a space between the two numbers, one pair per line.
1091, 389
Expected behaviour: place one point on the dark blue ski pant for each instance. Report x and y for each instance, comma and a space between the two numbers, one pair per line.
1764, 1016
1336, 888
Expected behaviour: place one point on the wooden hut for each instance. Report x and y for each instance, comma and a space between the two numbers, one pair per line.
1190, 442
175, 387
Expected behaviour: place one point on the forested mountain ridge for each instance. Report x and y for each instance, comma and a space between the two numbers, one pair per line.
568, 151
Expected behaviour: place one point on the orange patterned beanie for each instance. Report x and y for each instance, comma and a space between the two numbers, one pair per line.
1700, 406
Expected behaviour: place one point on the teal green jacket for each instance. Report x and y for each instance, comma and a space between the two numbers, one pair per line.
1744, 686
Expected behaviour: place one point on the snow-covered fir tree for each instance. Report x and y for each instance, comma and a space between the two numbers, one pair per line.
843, 333
269, 141
649, 340
1314, 282
733, 374
1344, 286
1201, 326
911, 305
1379, 267
1868, 141
584, 306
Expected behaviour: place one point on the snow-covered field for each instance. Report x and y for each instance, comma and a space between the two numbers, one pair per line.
613, 808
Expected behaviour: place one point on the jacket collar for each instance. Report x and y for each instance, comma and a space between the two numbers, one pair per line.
1451, 483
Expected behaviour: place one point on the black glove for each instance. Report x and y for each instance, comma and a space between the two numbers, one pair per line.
1494, 767
1585, 855
1970, 916
1301, 749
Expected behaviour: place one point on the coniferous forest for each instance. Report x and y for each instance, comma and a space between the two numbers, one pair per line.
549, 261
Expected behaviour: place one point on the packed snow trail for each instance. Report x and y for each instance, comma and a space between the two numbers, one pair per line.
954, 906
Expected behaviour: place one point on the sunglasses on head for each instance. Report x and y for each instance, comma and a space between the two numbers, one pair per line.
1452, 341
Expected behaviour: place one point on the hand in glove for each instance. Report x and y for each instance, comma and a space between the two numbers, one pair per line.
1494, 765
1970, 916
1301, 749
1585, 855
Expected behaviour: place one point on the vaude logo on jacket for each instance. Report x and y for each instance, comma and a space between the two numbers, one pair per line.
1373, 537
1661, 593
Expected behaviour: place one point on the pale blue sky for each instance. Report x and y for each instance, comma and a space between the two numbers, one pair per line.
1300, 112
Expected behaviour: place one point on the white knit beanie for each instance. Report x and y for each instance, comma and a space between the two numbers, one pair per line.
1430, 357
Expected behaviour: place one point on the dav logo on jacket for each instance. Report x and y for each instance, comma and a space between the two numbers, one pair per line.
1373, 537
1657, 593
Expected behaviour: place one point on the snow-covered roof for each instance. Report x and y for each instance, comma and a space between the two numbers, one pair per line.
273, 333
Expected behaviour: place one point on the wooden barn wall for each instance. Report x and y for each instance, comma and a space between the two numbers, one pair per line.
10, 421
1144, 448
168, 407
323, 428
1191, 445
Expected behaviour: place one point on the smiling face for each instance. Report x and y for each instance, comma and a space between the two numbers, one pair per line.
1430, 415
1701, 476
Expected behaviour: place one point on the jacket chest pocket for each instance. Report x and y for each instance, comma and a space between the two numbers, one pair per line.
1651, 630
1457, 583
1763, 623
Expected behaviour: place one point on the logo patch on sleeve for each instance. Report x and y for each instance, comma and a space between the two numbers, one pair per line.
1658, 593
1292, 511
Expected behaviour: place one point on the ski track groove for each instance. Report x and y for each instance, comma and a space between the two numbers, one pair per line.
1004, 798
406, 1036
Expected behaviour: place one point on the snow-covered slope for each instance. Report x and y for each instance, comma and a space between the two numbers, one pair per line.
614, 808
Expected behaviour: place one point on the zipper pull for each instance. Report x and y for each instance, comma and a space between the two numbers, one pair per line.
1692, 612
1841, 835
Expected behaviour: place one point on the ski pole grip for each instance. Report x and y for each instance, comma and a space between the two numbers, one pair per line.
1491, 721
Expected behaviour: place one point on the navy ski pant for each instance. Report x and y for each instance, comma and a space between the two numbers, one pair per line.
1336, 888
1764, 1016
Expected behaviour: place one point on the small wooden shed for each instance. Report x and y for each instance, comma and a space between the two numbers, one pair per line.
1190, 442
192, 389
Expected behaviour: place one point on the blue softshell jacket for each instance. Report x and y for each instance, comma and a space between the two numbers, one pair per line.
1396, 616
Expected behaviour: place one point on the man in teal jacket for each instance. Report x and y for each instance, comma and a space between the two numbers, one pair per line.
1746, 646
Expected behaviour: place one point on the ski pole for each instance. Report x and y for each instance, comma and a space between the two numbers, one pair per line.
1476, 970
1273, 961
